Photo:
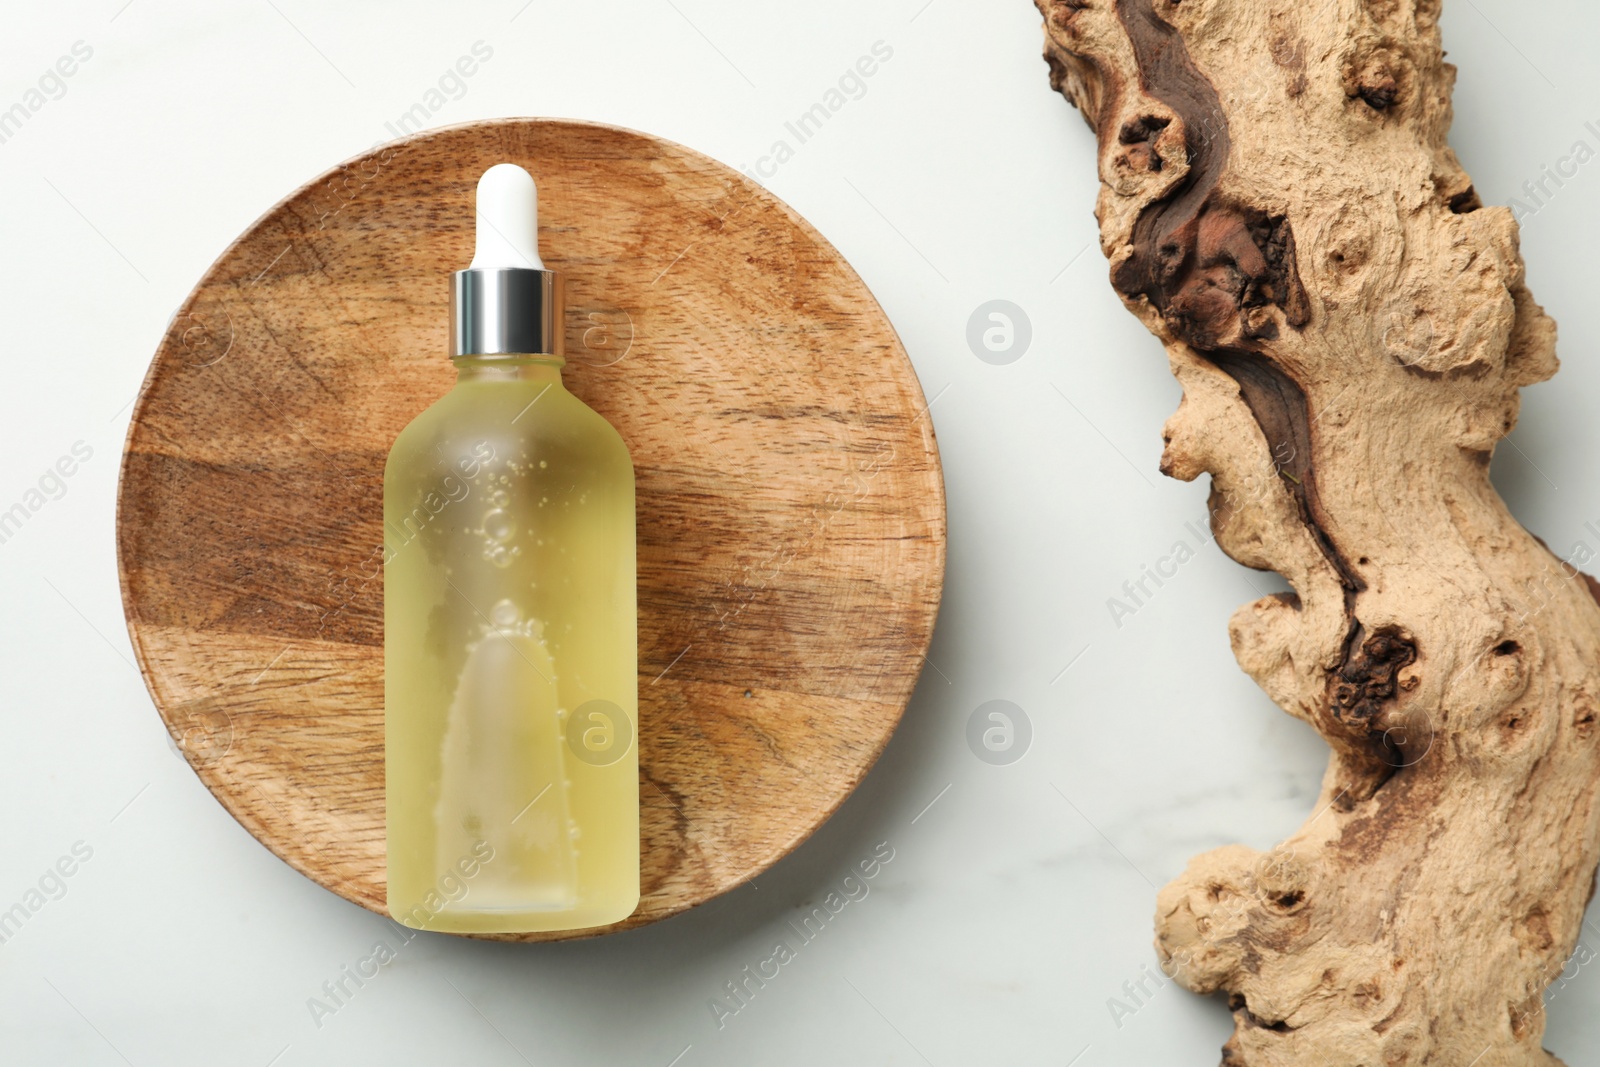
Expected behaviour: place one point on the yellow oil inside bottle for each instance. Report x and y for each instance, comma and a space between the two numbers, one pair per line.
510, 658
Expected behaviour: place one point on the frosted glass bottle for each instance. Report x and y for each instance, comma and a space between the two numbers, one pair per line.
510, 640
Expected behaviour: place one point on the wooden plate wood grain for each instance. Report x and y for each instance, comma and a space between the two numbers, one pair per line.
790, 505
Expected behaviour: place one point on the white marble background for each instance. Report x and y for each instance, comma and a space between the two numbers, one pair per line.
1019, 898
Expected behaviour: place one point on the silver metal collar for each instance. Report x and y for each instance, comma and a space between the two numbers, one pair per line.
507, 310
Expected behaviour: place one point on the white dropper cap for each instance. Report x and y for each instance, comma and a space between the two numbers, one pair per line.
508, 220
507, 302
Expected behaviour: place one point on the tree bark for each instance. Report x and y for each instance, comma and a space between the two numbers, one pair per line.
1280, 207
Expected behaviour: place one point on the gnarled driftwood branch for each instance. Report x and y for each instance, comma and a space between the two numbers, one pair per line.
1350, 326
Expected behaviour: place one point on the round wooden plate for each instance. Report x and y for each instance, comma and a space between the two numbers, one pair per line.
791, 510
